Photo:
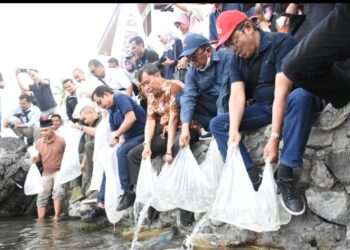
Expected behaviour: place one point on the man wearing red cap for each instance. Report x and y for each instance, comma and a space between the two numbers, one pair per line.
256, 77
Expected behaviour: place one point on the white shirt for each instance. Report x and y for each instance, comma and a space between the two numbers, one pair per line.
85, 88
116, 79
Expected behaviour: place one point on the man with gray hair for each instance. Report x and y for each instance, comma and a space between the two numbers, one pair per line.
113, 78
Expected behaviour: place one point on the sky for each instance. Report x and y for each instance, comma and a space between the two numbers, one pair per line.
53, 38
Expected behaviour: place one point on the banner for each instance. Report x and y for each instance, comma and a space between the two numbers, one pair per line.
126, 22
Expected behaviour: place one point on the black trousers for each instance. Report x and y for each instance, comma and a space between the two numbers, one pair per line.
158, 147
320, 63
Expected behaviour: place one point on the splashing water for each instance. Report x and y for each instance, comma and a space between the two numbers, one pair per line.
200, 223
141, 217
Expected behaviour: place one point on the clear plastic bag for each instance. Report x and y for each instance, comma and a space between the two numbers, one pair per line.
33, 184
156, 201
70, 166
237, 202
102, 134
113, 189
146, 181
213, 165
183, 184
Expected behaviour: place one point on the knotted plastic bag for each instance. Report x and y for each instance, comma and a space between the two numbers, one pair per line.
237, 202
102, 135
33, 184
146, 181
213, 165
70, 166
113, 189
183, 184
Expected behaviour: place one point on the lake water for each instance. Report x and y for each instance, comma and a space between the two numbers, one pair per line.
28, 233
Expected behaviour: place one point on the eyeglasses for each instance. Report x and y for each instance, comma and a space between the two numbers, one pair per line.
99, 101
194, 57
233, 40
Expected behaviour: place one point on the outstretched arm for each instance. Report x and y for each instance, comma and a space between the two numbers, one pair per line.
20, 84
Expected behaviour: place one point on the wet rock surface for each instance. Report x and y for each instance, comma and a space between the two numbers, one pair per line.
324, 181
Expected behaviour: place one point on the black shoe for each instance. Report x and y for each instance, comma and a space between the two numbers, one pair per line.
186, 217
207, 136
291, 200
257, 184
255, 176
128, 199
93, 213
152, 214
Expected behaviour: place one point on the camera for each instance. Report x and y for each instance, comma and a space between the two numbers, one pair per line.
22, 70
11, 125
164, 7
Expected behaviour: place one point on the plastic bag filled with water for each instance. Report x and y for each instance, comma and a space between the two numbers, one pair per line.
184, 185
213, 165
70, 166
113, 189
33, 184
146, 181
237, 202
102, 135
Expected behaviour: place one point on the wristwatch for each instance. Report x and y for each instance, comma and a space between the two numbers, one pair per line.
116, 138
275, 135
145, 142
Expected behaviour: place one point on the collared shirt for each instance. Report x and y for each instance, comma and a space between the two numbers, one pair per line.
43, 95
116, 79
122, 104
71, 103
208, 82
51, 153
273, 48
148, 56
161, 106
86, 87
33, 113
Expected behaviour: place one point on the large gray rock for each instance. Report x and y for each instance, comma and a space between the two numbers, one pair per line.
338, 163
325, 179
330, 205
320, 176
319, 139
14, 166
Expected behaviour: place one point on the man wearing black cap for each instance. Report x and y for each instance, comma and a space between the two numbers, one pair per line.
258, 94
51, 148
203, 80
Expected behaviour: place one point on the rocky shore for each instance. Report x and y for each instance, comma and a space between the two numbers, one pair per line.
325, 181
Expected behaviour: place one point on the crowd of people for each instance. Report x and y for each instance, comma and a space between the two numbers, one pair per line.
243, 76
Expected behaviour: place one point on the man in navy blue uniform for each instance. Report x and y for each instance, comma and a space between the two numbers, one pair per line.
127, 119
258, 94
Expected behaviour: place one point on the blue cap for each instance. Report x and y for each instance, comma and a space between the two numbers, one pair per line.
192, 42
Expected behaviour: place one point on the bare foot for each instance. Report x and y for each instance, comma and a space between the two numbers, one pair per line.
56, 218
